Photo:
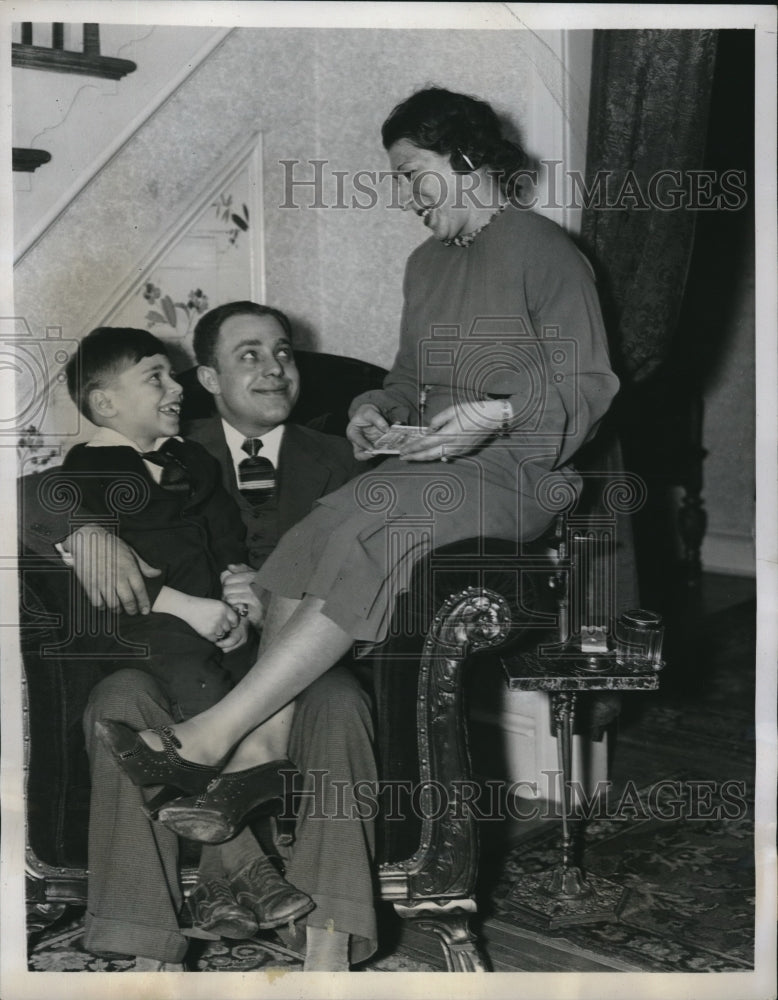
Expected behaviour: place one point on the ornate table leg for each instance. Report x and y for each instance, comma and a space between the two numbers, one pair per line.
564, 895
567, 881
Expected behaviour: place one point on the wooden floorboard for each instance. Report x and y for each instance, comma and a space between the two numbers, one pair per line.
515, 949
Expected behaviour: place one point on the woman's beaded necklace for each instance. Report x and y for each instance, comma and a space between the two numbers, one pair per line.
466, 239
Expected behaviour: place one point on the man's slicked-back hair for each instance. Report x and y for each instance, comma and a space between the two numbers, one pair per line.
102, 355
206, 334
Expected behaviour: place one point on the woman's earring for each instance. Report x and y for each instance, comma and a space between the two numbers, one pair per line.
466, 158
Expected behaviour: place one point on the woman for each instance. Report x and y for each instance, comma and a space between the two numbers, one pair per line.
503, 360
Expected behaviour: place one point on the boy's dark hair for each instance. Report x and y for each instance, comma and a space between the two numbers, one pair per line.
206, 333
103, 354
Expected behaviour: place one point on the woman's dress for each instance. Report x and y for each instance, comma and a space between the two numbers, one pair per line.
515, 315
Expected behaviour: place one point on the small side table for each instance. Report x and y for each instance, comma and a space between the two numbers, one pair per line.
565, 895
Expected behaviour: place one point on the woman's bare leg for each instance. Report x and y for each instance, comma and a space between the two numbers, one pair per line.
269, 741
305, 645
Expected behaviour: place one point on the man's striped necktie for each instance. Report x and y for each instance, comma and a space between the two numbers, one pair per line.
256, 475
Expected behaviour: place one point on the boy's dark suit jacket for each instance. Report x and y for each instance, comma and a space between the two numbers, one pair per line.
190, 536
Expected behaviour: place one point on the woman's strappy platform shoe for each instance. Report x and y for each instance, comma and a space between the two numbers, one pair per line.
219, 811
144, 766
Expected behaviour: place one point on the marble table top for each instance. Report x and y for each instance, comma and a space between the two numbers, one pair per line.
554, 667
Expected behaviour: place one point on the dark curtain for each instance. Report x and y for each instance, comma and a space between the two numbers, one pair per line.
683, 101
648, 113
649, 107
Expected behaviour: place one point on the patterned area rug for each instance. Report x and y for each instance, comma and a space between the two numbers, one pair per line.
689, 901
60, 950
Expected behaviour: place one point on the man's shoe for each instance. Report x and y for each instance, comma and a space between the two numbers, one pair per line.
217, 914
272, 899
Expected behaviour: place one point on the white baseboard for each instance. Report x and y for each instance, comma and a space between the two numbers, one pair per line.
730, 553
530, 752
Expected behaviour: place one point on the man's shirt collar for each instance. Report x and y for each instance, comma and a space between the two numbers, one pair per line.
271, 443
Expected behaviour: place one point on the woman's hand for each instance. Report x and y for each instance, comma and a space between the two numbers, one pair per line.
457, 430
366, 427
238, 592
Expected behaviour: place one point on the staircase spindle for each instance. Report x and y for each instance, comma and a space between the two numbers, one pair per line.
91, 39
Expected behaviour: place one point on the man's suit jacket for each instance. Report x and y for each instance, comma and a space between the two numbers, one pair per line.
310, 465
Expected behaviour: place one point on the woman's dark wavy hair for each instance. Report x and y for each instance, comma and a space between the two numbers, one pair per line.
457, 126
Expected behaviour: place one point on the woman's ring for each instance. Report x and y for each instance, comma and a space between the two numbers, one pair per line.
443, 453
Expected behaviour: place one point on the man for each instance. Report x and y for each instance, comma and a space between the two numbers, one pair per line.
246, 363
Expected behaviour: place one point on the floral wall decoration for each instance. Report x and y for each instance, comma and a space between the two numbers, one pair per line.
166, 310
33, 453
240, 222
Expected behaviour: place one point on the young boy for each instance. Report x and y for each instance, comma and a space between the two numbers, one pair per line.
165, 496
